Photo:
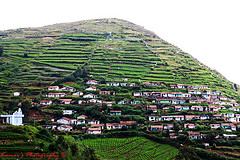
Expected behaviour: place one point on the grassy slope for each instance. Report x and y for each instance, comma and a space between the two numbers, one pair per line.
130, 52
130, 148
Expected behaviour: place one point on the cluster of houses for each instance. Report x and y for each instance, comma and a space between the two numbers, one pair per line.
194, 95
65, 124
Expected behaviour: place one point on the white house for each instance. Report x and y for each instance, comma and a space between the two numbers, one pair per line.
64, 120
16, 94
67, 112
92, 88
79, 93
64, 128
45, 102
92, 82
14, 119
90, 96
53, 88
94, 131
93, 122
49, 95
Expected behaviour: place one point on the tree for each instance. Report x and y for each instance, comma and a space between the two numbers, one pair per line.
25, 108
1, 49
88, 154
187, 153
25, 55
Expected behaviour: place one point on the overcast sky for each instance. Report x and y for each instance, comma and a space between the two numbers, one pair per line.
209, 30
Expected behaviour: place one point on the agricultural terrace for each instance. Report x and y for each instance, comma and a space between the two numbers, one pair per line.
130, 148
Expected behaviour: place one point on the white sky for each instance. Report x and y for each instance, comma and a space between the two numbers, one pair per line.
209, 30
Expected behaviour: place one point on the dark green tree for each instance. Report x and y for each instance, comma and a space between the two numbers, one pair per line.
187, 153
1, 49
25, 108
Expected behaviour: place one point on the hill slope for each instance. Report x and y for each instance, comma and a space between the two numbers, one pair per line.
110, 49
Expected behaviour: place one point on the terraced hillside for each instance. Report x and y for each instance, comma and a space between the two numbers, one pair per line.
130, 148
110, 49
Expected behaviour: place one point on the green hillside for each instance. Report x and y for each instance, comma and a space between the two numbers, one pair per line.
130, 148
111, 49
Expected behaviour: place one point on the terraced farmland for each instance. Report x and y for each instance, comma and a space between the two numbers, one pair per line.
110, 49
137, 148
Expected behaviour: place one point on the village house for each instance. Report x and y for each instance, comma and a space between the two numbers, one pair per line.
81, 119
127, 123
173, 135
112, 84
189, 125
101, 126
132, 84
90, 96
105, 92
217, 116
71, 89
123, 102
79, 93
204, 117
92, 82
197, 108
152, 108
164, 101
152, 118
137, 94
181, 108
93, 122
192, 117
64, 120
115, 113
212, 109
53, 88
228, 127
175, 101
186, 95
65, 101
169, 127
178, 117
55, 95
64, 128
135, 102
113, 126
234, 109
226, 115
196, 92
206, 96
68, 112
165, 118
230, 136
232, 119
156, 128
223, 98
194, 135
16, 94
166, 108
94, 131
108, 103
91, 88
215, 126
123, 84
45, 102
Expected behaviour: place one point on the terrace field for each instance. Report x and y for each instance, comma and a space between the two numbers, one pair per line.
130, 148
110, 49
